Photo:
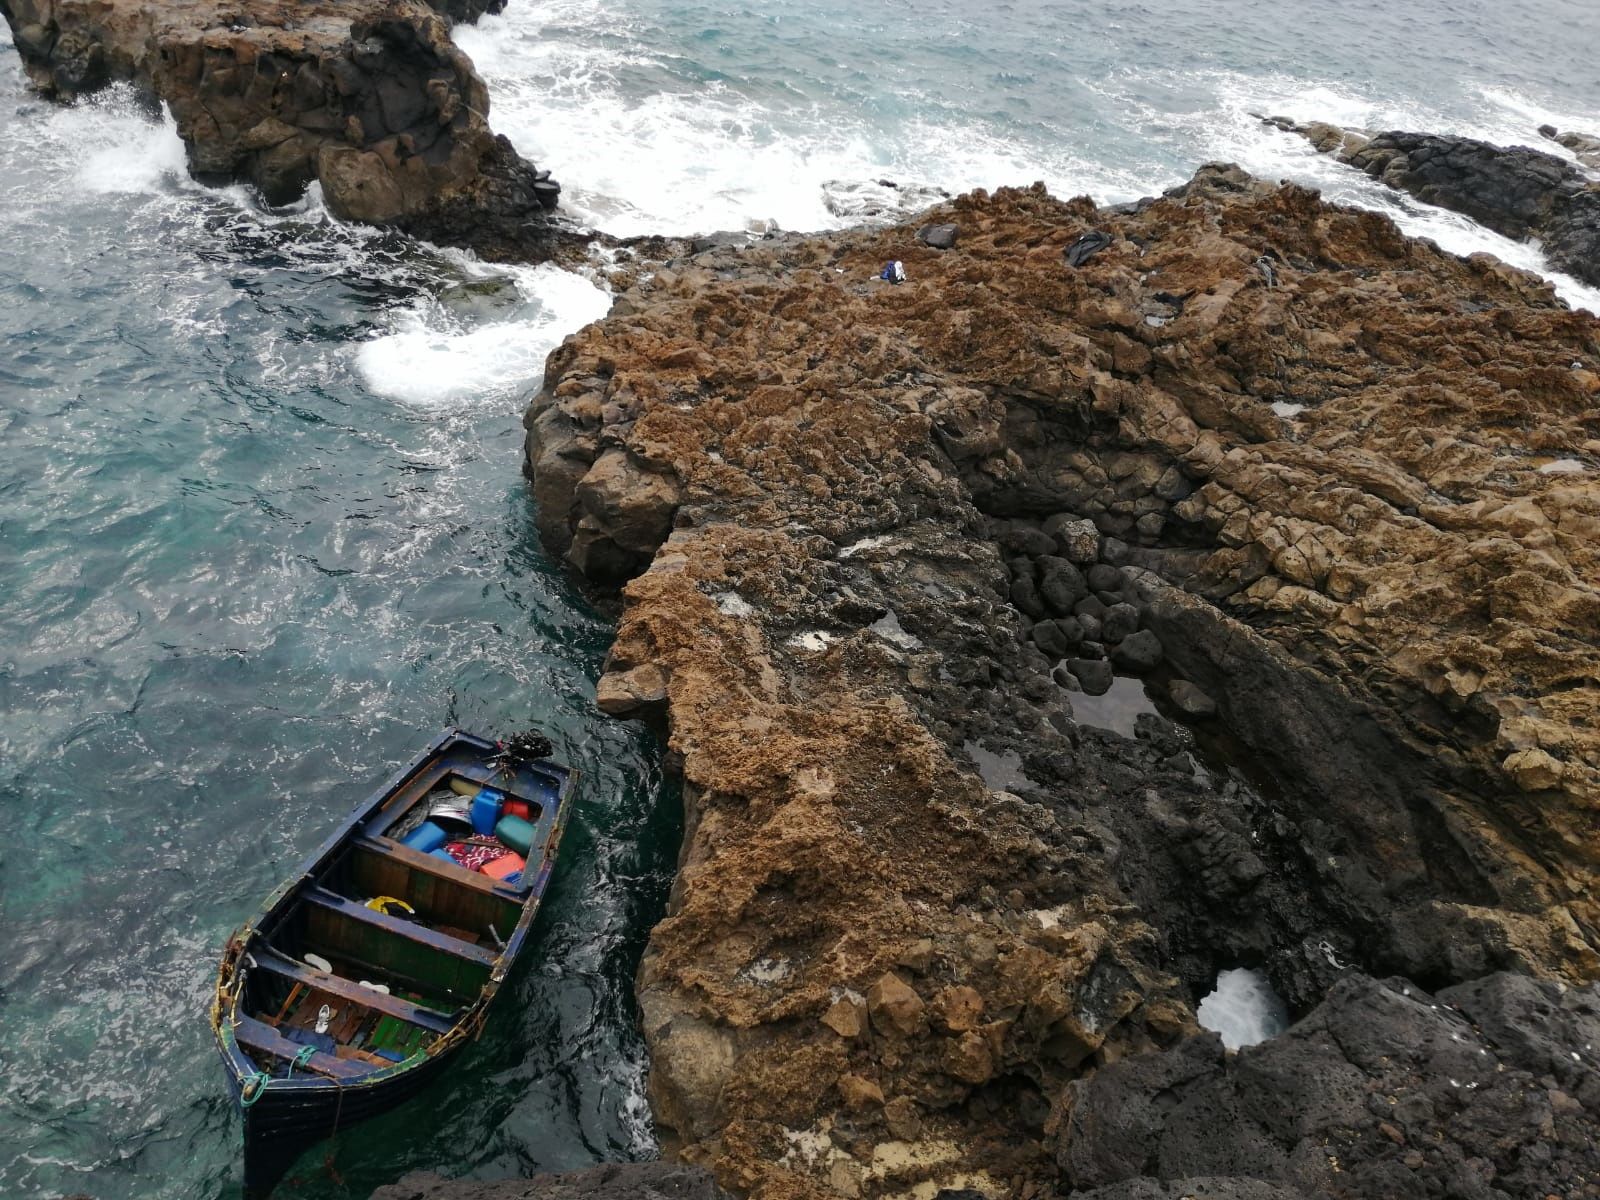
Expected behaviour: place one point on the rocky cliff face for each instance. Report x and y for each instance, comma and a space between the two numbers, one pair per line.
1513, 190
931, 932
368, 97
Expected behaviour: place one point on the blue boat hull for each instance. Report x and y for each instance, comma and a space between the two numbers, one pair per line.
295, 1090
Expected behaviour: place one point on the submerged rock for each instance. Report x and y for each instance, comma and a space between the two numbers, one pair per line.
1390, 601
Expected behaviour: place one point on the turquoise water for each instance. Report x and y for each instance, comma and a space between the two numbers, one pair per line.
262, 530
238, 585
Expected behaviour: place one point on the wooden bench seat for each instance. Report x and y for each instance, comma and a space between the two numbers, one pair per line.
409, 930
392, 1006
259, 1038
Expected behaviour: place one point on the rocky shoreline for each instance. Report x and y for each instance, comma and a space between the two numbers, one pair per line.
1514, 190
872, 539
368, 98
1328, 495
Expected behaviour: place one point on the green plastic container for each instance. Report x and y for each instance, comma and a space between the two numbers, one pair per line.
516, 833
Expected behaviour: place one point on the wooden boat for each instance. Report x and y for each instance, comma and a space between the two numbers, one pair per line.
334, 1003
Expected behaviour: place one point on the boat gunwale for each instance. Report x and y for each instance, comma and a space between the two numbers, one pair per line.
471, 1016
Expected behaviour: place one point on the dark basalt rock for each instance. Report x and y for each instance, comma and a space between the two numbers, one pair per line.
1514, 190
1094, 674
1120, 621
1138, 652
1490, 1089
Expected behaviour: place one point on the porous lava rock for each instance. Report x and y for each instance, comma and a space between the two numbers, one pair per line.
368, 97
1488, 1089
1514, 190
1349, 485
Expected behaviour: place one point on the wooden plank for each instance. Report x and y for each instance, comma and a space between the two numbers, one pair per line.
393, 1006
441, 895
409, 930
362, 951
429, 865
260, 1037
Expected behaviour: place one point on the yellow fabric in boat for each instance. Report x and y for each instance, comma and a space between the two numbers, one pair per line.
382, 903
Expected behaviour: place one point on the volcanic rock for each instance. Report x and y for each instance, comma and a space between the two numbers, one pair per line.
1378, 1089
1139, 652
1120, 621
370, 98
1387, 596
1077, 538
1584, 147
1513, 190
1093, 674
1190, 700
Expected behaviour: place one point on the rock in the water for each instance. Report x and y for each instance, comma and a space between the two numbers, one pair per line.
1138, 652
1386, 596
371, 99
1094, 674
1513, 190
1585, 147
1190, 700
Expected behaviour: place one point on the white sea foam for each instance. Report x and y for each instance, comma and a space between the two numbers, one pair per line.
1228, 130
680, 158
1244, 1009
433, 360
127, 153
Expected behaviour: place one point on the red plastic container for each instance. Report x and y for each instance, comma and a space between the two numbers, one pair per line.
518, 808
507, 864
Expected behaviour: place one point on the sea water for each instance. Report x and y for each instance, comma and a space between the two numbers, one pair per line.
262, 530
1243, 1009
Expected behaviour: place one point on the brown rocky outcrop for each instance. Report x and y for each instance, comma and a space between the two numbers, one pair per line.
1513, 190
368, 97
1342, 484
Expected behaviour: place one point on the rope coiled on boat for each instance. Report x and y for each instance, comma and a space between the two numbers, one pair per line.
300, 1060
259, 1079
